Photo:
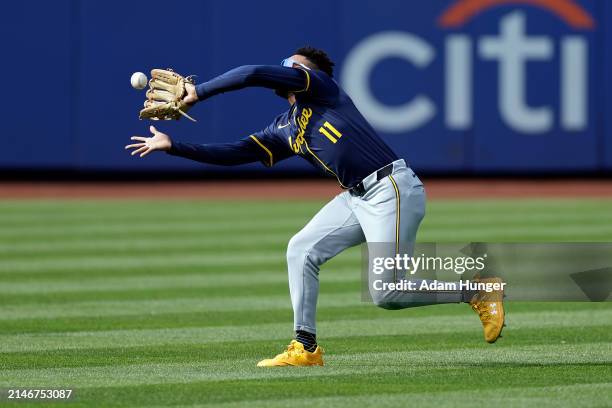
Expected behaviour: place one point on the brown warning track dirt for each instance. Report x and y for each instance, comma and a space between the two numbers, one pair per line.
301, 189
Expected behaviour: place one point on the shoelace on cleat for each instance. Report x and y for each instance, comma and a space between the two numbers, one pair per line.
482, 310
291, 350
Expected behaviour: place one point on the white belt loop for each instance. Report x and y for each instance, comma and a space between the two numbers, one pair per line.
399, 164
372, 179
369, 180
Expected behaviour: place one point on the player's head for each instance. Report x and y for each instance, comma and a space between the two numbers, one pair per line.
309, 58
314, 58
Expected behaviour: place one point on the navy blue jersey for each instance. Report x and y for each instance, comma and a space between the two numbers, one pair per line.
323, 126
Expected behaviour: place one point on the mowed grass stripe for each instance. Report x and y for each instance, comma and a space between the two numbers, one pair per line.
413, 362
348, 259
119, 207
238, 250
125, 261
103, 225
226, 229
178, 257
339, 328
567, 395
160, 316
209, 216
523, 229
205, 213
187, 353
543, 218
114, 207
176, 262
95, 245
224, 302
206, 241
71, 298
504, 205
600, 233
402, 381
150, 228
243, 247
168, 264
125, 212
129, 235
129, 283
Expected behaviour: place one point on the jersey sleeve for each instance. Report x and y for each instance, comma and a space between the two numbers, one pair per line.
272, 145
319, 87
265, 146
303, 82
224, 154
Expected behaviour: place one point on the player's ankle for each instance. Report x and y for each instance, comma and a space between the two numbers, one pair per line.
308, 340
467, 295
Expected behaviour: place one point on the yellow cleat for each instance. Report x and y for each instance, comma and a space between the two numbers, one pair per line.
295, 355
490, 309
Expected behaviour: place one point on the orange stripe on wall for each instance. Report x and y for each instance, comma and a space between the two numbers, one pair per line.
567, 10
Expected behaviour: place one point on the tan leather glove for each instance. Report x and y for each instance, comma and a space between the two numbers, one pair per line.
165, 96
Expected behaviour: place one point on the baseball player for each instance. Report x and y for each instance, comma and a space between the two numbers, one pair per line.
383, 200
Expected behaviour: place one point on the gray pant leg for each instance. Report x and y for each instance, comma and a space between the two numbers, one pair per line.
332, 230
377, 212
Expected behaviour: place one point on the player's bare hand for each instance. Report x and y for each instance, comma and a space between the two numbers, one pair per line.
146, 145
192, 97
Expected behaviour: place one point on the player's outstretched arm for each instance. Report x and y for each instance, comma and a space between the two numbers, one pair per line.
266, 76
243, 151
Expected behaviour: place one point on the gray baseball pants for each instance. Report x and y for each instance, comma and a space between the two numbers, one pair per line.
390, 211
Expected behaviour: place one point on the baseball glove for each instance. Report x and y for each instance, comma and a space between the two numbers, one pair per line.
165, 96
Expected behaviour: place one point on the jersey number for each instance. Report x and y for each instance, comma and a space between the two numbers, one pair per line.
327, 128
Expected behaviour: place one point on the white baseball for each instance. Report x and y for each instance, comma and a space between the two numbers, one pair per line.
138, 80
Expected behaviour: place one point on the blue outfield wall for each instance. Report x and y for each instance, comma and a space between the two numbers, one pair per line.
452, 86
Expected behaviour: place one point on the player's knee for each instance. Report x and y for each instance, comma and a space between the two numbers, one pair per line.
297, 249
301, 250
383, 300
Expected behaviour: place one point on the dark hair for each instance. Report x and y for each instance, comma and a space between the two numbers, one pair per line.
317, 57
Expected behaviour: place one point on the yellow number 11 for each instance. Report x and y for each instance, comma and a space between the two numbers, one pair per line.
332, 129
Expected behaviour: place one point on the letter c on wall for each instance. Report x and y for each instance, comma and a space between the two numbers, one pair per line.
355, 79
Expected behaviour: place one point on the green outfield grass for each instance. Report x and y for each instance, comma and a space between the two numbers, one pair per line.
172, 303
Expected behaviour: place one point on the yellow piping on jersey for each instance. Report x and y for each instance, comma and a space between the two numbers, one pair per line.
265, 148
307, 80
397, 220
323, 164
